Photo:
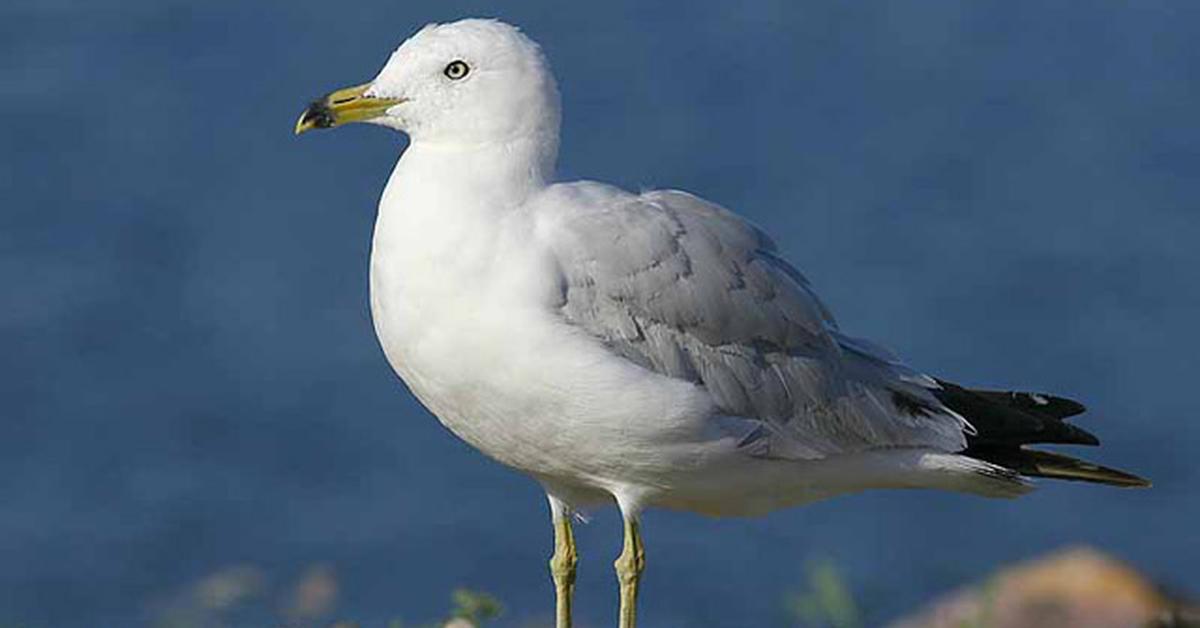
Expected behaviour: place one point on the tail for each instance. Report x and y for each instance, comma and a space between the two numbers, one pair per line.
1006, 422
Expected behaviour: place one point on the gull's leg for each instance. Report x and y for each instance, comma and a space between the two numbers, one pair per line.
562, 564
629, 566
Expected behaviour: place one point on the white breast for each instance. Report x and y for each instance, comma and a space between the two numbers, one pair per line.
463, 304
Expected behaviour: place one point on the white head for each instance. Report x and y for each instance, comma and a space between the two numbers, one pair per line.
468, 82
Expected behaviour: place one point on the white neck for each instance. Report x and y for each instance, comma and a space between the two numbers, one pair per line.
445, 204
504, 173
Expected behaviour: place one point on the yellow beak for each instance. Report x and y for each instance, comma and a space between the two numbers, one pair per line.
343, 107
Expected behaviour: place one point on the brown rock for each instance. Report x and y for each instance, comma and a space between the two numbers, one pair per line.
1077, 587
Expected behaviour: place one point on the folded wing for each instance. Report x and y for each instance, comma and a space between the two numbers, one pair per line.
687, 289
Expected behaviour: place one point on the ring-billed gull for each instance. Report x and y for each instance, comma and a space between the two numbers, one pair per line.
650, 349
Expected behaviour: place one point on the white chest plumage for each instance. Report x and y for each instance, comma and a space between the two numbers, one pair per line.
463, 298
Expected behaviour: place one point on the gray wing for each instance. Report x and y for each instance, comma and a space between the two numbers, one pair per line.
688, 289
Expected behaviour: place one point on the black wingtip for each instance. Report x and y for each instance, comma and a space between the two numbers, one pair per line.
1015, 418
1080, 436
1006, 422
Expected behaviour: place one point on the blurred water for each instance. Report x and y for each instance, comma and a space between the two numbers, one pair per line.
1005, 192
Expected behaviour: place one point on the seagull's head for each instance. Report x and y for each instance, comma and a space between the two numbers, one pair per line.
465, 82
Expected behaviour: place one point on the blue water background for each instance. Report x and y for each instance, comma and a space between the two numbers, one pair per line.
1006, 192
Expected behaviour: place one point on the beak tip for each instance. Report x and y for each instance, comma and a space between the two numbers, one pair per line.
318, 115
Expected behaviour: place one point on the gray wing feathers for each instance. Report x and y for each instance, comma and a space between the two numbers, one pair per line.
688, 289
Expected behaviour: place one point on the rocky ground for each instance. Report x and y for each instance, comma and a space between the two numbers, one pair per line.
1078, 587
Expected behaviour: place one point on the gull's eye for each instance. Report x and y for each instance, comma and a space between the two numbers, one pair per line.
456, 70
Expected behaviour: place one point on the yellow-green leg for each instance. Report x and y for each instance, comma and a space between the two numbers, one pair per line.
562, 564
629, 566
